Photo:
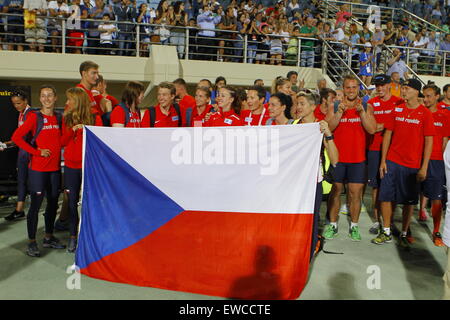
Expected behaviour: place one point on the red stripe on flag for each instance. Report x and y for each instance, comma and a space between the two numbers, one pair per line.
237, 255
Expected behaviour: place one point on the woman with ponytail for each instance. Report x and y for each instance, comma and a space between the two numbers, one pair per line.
280, 106
77, 114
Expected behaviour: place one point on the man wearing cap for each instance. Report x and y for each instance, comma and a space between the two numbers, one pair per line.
382, 105
406, 151
396, 64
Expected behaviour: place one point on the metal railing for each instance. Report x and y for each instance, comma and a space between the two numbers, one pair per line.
337, 63
231, 46
362, 12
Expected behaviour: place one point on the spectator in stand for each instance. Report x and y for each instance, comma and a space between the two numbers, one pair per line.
354, 40
58, 9
179, 19
252, 39
377, 42
125, 13
75, 36
207, 20
445, 46
263, 45
85, 8
15, 24
192, 38
396, 64
239, 43
403, 39
414, 55
307, 50
343, 16
365, 35
366, 60
228, 23
390, 34
144, 31
436, 13
106, 35
98, 12
430, 55
276, 46
339, 36
293, 8
36, 35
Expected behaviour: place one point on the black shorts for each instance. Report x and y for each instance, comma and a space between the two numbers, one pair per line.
433, 186
350, 172
399, 185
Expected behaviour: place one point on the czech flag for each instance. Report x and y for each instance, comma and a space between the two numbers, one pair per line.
216, 211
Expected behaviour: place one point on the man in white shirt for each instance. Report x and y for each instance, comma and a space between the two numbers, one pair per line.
429, 55
396, 64
60, 10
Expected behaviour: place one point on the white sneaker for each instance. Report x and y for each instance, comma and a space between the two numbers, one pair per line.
343, 209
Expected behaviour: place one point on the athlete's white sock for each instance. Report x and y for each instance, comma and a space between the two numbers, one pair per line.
352, 224
387, 231
334, 224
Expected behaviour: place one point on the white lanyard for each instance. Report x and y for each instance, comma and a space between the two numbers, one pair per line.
260, 119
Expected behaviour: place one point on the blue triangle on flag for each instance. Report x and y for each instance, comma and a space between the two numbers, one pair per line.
120, 206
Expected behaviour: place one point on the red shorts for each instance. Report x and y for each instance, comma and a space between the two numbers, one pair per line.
77, 39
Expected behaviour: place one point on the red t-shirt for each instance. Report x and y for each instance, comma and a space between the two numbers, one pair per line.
95, 107
409, 128
161, 120
72, 141
224, 119
318, 113
381, 110
443, 105
442, 127
118, 116
187, 102
48, 138
197, 119
251, 119
350, 138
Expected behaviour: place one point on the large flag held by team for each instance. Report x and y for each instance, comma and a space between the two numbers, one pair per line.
217, 211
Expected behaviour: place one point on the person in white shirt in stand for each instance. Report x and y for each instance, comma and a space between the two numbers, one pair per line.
106, 38
58, 9
420, 43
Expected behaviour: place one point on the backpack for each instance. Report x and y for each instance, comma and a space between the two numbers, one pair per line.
152, 113
106, 117
31, 139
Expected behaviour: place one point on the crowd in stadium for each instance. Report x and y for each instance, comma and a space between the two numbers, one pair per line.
219, 28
